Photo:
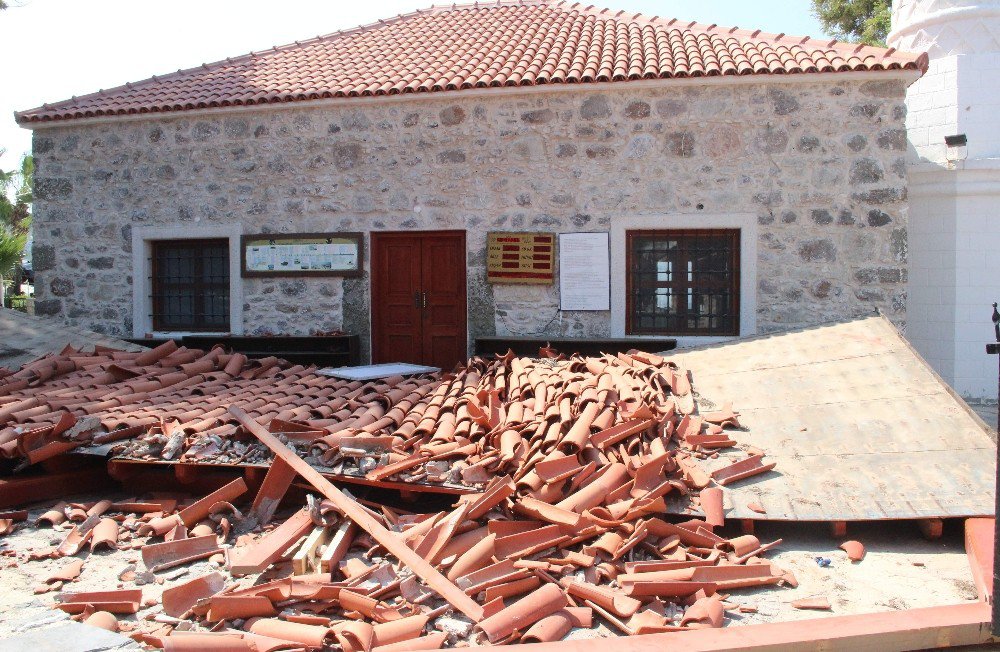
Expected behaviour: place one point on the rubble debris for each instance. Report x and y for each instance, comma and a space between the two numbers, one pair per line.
529, 418
563, 466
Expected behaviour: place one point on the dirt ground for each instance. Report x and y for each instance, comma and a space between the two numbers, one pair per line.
901, 571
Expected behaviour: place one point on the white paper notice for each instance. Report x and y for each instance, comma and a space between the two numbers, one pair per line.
584, 271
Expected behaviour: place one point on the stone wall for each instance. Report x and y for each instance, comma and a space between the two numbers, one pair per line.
821, 165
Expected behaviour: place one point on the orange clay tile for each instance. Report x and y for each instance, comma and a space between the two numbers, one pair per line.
260, 554
525, 612
119, 602
177, 600
743, 469
855, 550
223, 607
205, 642
102, 619
432, 641
160, 556
312, 636
611, 599
67, 572
105, 534
53, 516
705, 612
816, 603
711, 505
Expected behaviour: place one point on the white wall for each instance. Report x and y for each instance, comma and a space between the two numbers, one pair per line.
954, 232
955, 272
931, 293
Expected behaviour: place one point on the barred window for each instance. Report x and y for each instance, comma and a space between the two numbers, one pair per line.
190, 283
683, 282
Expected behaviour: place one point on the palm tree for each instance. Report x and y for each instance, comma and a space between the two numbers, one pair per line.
15, 219
11, 251
15, 215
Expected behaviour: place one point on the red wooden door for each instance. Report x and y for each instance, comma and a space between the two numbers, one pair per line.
419, 298
396, 299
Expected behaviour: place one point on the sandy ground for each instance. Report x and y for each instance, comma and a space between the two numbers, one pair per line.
900, 571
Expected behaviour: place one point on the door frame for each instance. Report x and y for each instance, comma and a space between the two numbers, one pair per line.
374, 241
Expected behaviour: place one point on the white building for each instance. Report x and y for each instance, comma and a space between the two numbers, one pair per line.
954, 191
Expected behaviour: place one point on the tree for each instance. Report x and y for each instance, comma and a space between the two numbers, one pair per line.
11, 253
15, 219
15, 216
864, 21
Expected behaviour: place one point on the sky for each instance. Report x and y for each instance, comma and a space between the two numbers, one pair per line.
54, 49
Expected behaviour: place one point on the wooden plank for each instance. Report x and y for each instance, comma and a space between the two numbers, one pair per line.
305, 560
979, 533
931, 528
338, 546
913, 629
365, 521
276, 483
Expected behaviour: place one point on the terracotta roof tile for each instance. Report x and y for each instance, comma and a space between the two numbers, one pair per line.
526, 43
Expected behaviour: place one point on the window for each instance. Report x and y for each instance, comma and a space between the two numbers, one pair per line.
190, 285
683, 282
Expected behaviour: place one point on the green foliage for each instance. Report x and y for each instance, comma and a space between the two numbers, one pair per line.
15, 216
11, 251
864, 21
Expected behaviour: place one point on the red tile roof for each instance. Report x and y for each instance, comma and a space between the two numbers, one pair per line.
459, 47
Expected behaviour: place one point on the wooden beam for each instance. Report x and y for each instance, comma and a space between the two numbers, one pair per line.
337, 549
979, 549
395, 545
894, 631
276, 483
305, 560
931, 528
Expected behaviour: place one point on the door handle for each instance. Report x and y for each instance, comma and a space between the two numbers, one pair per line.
425, 299
416, 299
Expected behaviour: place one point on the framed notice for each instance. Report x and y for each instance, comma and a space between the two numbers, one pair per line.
302, 254
520, 257
584, 271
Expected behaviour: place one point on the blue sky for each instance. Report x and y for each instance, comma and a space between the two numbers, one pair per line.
54, 49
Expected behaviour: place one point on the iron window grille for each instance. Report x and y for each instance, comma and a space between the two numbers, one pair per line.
684, 282
190, 285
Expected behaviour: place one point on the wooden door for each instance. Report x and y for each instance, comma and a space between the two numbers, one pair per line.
396, 299
419, 298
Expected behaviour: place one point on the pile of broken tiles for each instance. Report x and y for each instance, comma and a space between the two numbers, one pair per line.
567, 464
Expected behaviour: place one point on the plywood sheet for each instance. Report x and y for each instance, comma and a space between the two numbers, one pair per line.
860, 426
26, 337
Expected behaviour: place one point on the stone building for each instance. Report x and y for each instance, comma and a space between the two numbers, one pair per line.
746, 182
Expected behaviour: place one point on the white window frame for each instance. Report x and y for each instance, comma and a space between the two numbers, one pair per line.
747, 225
142, 252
